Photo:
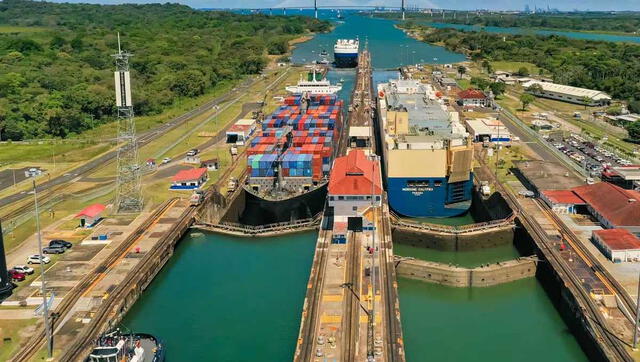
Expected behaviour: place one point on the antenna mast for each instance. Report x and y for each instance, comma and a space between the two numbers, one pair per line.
128, 192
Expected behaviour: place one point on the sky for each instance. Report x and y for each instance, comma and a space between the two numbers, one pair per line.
447, 4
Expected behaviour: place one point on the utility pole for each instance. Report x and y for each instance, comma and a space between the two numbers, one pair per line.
128, 191
43, 290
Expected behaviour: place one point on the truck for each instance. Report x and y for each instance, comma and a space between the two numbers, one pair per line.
196, 198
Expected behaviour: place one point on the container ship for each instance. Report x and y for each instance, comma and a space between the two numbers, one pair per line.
427, 151
345, 53
288, 162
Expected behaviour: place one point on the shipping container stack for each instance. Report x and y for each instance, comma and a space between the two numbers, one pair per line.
297, 139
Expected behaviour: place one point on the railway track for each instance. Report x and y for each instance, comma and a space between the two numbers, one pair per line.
70, 299
312, 301
108, 310
351, 316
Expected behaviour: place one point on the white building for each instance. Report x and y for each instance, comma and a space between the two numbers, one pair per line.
240, 131
569, 94
355, 184
619, 245
491, 130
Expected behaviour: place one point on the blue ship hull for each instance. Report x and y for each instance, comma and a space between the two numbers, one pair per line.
429, 197
346, 60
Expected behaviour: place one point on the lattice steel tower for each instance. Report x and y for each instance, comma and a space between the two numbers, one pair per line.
128, 193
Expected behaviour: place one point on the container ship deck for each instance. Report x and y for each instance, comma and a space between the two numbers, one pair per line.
292, 155
427, 152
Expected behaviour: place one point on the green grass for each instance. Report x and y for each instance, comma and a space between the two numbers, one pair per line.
21, 29
64, 151
463, 83
514, 66
10, 328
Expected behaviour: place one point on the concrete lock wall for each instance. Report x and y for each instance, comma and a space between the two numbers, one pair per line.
453, 276
454, 242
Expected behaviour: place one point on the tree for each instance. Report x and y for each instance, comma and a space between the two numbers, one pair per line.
535, 89
614, 110
526, 99
586, 101
480, 83
523, 72
634, 106
487, 66
498, 88
634, 130
461, 70
189, 83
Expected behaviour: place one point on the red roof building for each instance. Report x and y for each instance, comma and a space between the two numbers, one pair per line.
90, 215
355, 174
189, 179
562, 201
355, 184
473, 97
614, 206
618, 245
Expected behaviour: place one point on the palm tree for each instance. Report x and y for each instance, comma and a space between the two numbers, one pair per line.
461, 70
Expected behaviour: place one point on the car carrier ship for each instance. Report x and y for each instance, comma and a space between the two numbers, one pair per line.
288, 162
427, 151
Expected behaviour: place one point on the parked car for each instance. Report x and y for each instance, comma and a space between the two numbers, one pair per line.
35, 259
16, 275
60, 243
53, 250
166, 160
193, 152
23, 269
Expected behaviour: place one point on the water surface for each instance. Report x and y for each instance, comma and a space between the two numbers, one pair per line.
467, 259
223, 298
509, 322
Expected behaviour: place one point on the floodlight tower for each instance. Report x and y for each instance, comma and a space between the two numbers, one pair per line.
128, 193
402, 9
315, 7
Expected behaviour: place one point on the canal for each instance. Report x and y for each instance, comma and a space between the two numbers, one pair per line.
223, 298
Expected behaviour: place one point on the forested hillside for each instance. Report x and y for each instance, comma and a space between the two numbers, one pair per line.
56, 72
596, 21
607, 66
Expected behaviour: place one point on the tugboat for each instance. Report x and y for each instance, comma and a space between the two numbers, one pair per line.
128, 347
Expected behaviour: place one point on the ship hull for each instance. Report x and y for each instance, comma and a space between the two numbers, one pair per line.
346, 60
429, 200
260, 211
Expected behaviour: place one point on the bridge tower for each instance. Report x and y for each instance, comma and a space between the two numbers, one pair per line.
128, 193
402, 8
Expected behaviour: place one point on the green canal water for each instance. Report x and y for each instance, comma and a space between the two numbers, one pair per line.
510, 322
467, 259
222, 298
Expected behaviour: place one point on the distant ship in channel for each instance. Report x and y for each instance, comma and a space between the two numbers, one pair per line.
427, 151
345, 53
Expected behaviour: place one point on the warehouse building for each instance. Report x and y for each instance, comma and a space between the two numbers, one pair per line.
618, 245
562, 201
569, 94
627, 177
240, 131
488, 130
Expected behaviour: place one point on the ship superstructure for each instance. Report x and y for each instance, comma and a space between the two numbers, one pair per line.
314, 84
427, 151
345, 53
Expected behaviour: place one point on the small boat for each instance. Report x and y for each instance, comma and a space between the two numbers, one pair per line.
324, 53
127, 347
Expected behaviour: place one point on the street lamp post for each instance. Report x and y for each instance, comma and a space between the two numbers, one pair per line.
43, 290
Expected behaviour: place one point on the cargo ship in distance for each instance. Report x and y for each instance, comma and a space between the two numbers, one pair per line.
345, 53
427, 151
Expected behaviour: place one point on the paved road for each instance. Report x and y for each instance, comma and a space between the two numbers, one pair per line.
143, 138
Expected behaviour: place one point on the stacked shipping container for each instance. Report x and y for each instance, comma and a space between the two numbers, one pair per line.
297, 139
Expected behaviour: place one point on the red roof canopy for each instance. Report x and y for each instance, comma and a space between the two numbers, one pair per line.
621, 207
472, 94
355, 174
91, 211
618, 239
189, 175
563, 197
